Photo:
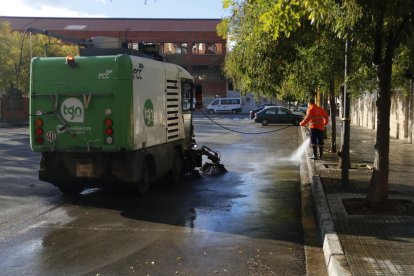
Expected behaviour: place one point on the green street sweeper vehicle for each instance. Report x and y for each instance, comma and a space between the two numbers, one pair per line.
112, 119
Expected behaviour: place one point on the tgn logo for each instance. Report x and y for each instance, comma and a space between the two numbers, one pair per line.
148, 113
72, 110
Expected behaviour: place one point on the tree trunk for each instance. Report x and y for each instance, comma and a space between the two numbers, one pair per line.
332, 102
378, 188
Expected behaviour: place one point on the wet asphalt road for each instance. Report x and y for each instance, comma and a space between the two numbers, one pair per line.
245, 222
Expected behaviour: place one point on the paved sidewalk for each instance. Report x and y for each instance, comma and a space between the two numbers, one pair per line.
364, 244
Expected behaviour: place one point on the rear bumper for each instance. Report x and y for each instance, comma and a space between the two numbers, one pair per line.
107, 169
58, 178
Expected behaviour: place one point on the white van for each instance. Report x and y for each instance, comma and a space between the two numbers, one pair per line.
232, 105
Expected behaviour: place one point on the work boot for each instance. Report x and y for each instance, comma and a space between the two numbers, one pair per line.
320, 152
315, 153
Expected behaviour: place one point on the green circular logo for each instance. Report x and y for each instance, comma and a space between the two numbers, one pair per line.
148, 113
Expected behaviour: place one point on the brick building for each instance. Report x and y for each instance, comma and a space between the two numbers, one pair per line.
191, 43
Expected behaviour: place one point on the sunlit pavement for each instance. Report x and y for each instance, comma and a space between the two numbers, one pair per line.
364, 244
247, 221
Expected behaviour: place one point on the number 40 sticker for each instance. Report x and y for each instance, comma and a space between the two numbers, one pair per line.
51, 136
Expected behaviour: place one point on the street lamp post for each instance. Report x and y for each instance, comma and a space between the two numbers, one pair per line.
411, 109
409, 75
345, 126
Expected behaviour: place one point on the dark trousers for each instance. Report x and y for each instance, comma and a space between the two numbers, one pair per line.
316, 137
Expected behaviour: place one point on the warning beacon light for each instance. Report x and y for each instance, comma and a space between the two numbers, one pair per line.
70, 60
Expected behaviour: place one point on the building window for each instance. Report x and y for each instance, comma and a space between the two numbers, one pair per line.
134, 45
174, 48
204, 72
207, 48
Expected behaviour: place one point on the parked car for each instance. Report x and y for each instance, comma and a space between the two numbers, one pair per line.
303, 107
253, 112
277, 115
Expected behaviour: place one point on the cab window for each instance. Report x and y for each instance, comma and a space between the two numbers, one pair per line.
187, 95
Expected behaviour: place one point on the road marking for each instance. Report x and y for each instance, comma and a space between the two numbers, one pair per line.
38, 224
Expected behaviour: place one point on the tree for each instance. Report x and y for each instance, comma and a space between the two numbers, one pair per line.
379, 27
256, 63
8, 56
293, 65
391, 23
318, 68
15, 55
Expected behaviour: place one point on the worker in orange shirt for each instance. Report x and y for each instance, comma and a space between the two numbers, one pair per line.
317, 119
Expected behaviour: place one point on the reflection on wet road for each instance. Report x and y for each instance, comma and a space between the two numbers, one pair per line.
244, 222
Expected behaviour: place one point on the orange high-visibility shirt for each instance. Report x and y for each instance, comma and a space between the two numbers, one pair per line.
316, 117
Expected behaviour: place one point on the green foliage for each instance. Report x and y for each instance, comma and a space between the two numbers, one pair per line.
381, 38
403, 67
280, 17
278, 51
257, 62
8, 53
281, 30
318, 63
16, 52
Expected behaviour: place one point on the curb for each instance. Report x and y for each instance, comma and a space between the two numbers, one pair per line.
335, 259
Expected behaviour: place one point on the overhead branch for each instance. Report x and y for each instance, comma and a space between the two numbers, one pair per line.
399, 31
379, 32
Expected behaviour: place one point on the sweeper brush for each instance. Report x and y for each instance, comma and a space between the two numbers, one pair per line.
213, 168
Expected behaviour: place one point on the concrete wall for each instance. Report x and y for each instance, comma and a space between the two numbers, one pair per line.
364, 113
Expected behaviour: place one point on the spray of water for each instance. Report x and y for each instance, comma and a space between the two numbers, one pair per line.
297, 155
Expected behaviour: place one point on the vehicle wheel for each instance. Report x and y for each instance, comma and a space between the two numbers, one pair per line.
265, 123
144, 183
69, 189
233, 111
210, 111
177, 169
